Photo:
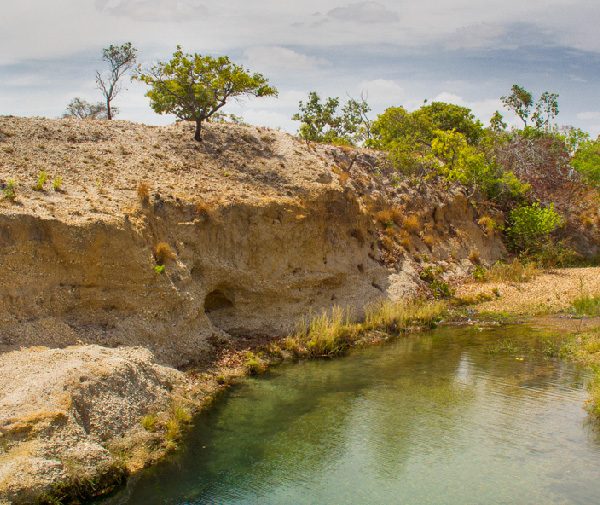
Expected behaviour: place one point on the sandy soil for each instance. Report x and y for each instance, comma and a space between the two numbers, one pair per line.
552, 291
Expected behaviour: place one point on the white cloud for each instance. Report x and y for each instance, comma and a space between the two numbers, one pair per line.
587, 116
280, 60
364, 12
153, 10
383, 91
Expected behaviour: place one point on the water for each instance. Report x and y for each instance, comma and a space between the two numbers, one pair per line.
456, 416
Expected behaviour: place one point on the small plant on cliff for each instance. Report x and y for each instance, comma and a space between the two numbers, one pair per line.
149, 422
9, 190
195, 87
159, 269
41, 181
163, 253
57, 184
143, 193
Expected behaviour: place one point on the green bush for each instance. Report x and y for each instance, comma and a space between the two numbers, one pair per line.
587, 161
41, 181
530, 226
9, 190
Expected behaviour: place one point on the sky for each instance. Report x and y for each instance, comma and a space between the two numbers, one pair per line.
401, 52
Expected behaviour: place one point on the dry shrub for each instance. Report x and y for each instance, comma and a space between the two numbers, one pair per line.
404, 240
202, 209
488, 224
143, 192
474, 256
516, 271
411, 224
384, 217
163, 253
428, 240
388, 243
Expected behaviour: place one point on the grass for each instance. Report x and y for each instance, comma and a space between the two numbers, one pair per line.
412, 224
57, 184
9, 190
143, 193
163, 253
41, 181
515, 271
584, 348
587, 305
333, 332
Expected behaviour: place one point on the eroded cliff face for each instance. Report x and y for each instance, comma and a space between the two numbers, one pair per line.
274, 233
240, 270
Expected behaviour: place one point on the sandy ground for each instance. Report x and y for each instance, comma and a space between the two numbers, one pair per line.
550, 292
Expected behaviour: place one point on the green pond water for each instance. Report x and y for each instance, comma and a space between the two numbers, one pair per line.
455, 416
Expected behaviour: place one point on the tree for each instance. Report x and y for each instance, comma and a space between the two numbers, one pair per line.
587, 161
497, 124
195, 87
321, 121
120, 60
448, 116
519, 101
81, 109
546, 110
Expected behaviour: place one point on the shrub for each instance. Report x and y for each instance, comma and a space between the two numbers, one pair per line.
149, 422
163, 253
428, 240
587, 305
9, 190
412, 224
530, 226
143, 192
57, 183
474, 256
516, 271
441, 290
41, 181
159, 269
253, 364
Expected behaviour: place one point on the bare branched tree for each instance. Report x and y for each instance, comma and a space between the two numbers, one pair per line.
120, 59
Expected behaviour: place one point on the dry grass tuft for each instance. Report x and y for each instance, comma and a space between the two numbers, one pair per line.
143, 192
163, 253
412, 224
516, 271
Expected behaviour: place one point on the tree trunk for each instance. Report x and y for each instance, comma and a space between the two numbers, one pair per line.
108, 110
197, 136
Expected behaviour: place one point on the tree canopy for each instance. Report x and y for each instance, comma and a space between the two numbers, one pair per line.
120, 60
195, 87
322, 122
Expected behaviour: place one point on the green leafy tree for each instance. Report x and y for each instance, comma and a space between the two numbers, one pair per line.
322, 122
120, 60
530, 226
497, 124
459, 161
446, 117
520, 101
587, 161
195, 87
546, 110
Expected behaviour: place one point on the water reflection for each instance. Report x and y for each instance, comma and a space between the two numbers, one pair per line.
443, 417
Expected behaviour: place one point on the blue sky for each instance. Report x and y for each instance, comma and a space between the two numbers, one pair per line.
398, 52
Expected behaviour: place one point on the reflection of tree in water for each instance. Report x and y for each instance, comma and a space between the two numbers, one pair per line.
415, 408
